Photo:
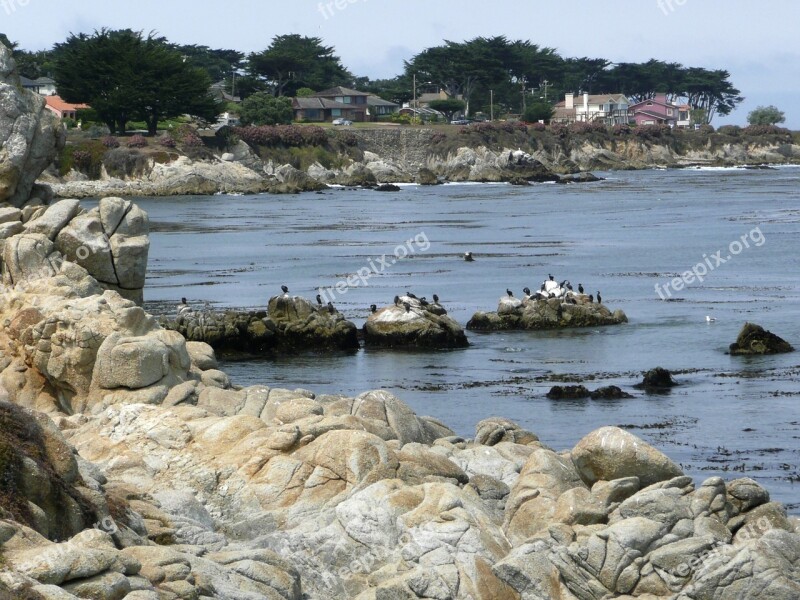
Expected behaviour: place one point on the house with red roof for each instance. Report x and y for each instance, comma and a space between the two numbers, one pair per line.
63, 110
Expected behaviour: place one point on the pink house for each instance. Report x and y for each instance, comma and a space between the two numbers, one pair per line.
656, 111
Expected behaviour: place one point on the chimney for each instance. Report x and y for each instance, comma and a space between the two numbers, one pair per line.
569, 100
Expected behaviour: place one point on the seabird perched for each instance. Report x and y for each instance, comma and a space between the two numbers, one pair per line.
373, 308
569, 286
410, 295
510, 293
468, 257
580, 288
285, 289
435, 299
330, 308
184, 308
527, 291
407, 306
543, 288
591, 299
599, 299
551, 277
319, 299
423, 301
397, 300
563, 283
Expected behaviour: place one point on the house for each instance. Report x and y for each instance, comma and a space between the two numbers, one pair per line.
655, 111
426, 115
330, 104
684, 116
378, 107
219, 93
44, 86
64, 110
609, 109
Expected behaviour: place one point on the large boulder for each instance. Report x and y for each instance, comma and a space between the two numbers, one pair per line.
412, 324
754, 339
30, 135
612, 453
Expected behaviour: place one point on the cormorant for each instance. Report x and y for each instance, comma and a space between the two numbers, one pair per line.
410, 295
330, 308
407, 306
510, 293
599, 299
569, 286
551, 277
591, 299
436, 299
468, 257
285, 289
319, 299
580, 288
397, 300
373, 308
423, 301
527, 291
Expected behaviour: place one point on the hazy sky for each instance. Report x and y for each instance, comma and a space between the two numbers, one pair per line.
757, 41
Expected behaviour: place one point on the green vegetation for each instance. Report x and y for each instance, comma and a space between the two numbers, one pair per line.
449, 107
124, 76
265, 109
538, 111
766, 115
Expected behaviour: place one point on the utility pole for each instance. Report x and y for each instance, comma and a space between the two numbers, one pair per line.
491, 105
416, 107
524, 103
545, 85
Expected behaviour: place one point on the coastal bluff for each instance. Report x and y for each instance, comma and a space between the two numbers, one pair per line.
132, 468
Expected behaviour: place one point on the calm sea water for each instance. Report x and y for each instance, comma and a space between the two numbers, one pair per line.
730, 416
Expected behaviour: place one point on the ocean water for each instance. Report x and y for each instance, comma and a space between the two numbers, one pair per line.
624, 236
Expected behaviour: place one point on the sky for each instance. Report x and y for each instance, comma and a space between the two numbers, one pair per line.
756, 41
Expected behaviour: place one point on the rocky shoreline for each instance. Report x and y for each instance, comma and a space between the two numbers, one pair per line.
390, 156
132, 468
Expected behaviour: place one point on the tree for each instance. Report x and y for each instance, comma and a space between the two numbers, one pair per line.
766, 115
292, 62
265, 109
123, 76
449, 107
539, 111
304, 93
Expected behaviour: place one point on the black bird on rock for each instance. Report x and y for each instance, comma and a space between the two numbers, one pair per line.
510, 293
407, 306
551, 277
397, 300
580, 288
423, 301
599, 299
527, 291
435, 299
330, 308
373, 308
410, 295
591, 299
285, 289
319, 299
569, 286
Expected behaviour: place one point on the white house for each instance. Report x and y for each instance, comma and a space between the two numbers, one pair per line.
609, 109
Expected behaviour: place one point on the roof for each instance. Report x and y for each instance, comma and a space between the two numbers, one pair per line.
58, 104
339, 91
651, 102
597, 99
375, 101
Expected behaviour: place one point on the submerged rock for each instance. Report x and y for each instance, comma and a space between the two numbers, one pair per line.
568, 392
657, 379
416, 326
530, 314
755, 340
387, 187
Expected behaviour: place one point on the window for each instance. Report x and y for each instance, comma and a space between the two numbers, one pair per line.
336, 112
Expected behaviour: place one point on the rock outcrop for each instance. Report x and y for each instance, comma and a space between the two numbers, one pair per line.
30, 135
531, 314
290, 324
755, 340
411, 324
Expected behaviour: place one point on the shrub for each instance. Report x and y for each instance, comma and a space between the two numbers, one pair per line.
110, 142
192, 140
559, 130
438, 137
314, 136
538, 127
348, 138
621, 130
706, 129
167, 141
137, 141
652, 132
82, 159
765, 130
732, 130
125, 162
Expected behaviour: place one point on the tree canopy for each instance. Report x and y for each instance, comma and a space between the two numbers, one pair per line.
265, 109
449, 106
124, 75
766, 115
293, 61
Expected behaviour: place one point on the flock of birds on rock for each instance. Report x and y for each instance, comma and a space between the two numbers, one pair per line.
552, 289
